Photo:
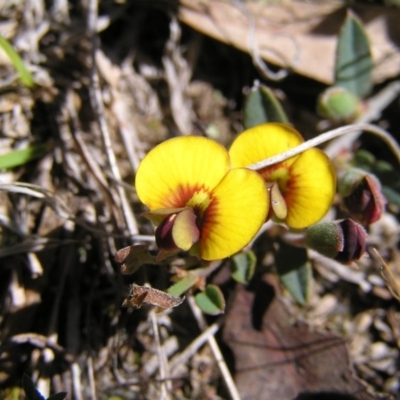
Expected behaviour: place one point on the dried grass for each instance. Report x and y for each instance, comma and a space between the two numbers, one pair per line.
104, 96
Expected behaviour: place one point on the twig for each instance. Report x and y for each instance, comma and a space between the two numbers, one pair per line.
161, 356
392, 282
40, 341
183, 357
169, 347
91, 378
344, 130
177, 75
67, 256
85, 153
226, 375
98, 107
35, 266
76, 381
341, 270
43, 385
60, 208
127, 129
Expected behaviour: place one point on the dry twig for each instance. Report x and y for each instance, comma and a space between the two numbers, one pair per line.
226, 375
98, 107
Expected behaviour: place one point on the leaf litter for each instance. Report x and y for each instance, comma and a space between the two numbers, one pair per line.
64, 217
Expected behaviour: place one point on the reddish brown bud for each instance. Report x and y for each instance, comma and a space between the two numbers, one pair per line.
344, 240
354, 241
362, 196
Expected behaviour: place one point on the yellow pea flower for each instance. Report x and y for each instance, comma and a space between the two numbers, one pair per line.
301, 188
198, 201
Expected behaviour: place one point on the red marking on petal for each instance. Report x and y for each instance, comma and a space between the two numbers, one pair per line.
208, 220
288, 192
181, 195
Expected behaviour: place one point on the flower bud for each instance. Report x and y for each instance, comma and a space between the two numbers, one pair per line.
278, 203
361, 196
176, 230
344, 240
339, 105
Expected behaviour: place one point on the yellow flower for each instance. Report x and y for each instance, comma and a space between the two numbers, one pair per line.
198, 202
301, 188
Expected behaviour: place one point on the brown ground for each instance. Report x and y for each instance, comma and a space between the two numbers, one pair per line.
64, 216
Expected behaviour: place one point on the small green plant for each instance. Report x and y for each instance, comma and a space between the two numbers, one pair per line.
342, 103
24, 74
16, 158
211, 202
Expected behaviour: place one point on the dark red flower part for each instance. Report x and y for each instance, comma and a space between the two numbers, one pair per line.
366, 202
344, 241
163, 234
177, 231
354, 241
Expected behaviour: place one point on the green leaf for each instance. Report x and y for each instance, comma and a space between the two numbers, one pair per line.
294, 271
17, 158
183, 285
382, 166
58, 396
363, 159
30, 390
353, 67
24, 74
243, 266
211, 301
262, 106
391, 195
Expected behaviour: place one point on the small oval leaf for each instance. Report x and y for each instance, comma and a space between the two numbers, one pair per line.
353, 66
17, 158
261, 105
211, 301
294, 271
243, 266
183, 285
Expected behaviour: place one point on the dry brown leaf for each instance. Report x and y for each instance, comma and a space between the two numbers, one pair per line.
297, 34
284, 358
144, 294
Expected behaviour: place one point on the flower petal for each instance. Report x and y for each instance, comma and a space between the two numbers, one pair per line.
310, 190
261, 142
185, 231
237, 212
168, 175
159, 215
